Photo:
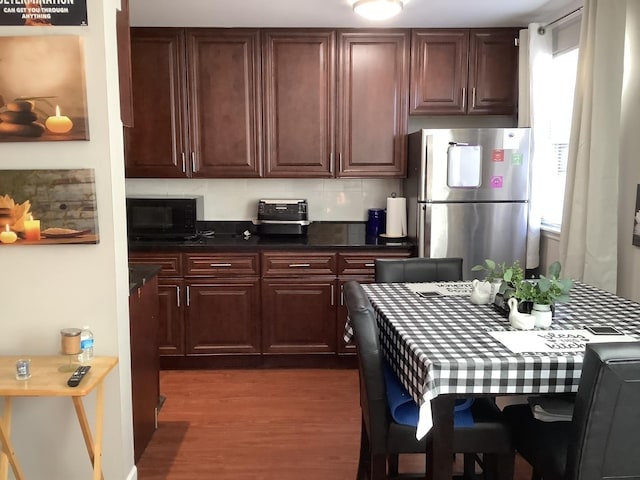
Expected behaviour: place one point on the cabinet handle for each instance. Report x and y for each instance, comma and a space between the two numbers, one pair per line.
188, 296
184, 163
341, 295
220, 265
464, 97
331, 162
369, 264
332, 291
473, 97
340, 161
193, 162
299, 265
178, 296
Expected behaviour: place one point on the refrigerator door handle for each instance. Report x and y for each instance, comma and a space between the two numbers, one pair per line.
422, 234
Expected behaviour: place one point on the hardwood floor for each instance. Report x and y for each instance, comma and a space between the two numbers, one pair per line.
260, 425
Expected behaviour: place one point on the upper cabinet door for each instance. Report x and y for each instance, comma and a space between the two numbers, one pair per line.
439, 60
299, 102
124, 63
493, 72
155, 146
373, 100
224, 102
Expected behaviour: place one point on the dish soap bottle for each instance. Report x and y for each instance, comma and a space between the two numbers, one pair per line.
86, 346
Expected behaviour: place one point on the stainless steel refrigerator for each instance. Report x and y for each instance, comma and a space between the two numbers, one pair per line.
467, 194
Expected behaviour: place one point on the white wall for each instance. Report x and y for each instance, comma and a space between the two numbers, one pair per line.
50, 287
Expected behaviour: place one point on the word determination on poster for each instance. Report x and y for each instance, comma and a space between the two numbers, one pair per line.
43, 12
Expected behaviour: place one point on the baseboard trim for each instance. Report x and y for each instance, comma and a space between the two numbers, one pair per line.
133, 474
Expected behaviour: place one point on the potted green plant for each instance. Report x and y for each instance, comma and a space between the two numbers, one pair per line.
539, 296
492, 270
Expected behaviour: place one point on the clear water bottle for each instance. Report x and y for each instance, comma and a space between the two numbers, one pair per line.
86, 346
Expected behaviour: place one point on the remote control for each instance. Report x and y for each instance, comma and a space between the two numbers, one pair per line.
78, 375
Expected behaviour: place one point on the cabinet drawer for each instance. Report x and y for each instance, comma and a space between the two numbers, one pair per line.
170, 263
291, 264
362, 263
224, 264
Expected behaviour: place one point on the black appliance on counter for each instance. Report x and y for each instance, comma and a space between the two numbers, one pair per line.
282, 217
163, 217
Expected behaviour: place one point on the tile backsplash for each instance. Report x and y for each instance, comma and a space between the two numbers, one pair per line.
236, 199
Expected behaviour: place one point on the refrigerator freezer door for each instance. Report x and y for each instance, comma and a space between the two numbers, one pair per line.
504, 165
473, 231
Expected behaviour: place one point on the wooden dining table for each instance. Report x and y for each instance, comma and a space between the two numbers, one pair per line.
442, 347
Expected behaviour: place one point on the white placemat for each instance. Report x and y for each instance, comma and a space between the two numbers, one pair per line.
549, 341
443, 288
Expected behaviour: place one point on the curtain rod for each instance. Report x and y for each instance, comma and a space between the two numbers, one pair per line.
543, 28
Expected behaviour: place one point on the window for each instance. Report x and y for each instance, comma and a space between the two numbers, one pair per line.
563, 71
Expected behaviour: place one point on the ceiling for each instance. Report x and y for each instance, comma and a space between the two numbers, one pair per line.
338, 13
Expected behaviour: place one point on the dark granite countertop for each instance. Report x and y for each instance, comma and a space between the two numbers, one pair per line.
140, 273
220, 236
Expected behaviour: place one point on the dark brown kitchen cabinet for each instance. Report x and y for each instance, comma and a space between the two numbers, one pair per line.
373, 96
145, 363
123, 38
171, 299
335, 102
258, 307
197, 101
299, 302
171, 325
223, 316
299, 102
298, 315
464, 71
222, 304
358, 266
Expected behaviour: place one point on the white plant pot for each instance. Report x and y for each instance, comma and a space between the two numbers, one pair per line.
495, 287
542, 314
481, 292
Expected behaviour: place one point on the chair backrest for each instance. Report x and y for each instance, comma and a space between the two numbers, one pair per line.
373, 397
605, 440
389, 270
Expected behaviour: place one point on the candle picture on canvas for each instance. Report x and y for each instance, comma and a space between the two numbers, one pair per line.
45, 207
42, 90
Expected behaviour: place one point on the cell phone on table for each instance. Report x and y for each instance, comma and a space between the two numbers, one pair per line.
604, 330
429, 294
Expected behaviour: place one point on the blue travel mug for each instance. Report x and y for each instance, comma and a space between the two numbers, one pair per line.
376, 222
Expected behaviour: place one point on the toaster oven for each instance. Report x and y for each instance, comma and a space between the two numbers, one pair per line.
282, 217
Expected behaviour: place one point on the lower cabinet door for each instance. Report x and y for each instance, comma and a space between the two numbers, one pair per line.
299, 315
222, 316
170, 317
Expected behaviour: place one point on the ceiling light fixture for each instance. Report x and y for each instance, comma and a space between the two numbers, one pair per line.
377, 9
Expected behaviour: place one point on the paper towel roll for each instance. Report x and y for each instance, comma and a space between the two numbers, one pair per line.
396, 217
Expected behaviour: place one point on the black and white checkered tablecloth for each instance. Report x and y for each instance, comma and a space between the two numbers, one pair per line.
440, 345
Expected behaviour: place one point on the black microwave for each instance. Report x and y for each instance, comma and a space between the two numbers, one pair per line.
162, 218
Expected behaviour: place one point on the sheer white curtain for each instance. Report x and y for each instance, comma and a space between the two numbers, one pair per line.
588, 240
534, 111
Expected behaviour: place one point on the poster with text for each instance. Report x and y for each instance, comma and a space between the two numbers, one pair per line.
43, 12
636, 220
44, 207
42, 89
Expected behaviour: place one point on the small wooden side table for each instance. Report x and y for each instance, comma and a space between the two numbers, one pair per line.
47, 381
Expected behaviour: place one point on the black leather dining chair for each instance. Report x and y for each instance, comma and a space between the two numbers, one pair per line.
602, 441
382, 439
418, 269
